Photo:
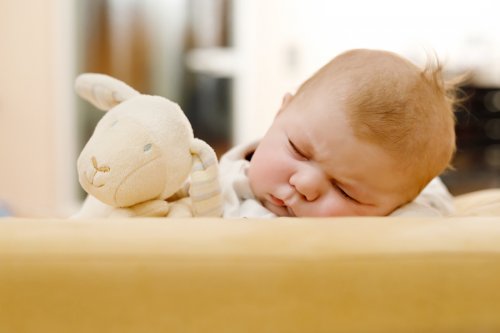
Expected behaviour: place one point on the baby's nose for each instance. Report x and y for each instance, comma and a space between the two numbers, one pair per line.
308, 183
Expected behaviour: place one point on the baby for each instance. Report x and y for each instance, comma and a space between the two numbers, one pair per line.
365, 135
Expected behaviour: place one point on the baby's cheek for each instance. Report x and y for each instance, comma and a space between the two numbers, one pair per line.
367, 210
326, 208
259, 181
335, 210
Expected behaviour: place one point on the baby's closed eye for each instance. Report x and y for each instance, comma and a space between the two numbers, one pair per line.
297, 151
344, 193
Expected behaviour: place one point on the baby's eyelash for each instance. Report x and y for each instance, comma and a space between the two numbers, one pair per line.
344, 194
296, 150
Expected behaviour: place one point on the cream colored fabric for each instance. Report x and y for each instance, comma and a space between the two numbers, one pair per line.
204, 192
479, 203
275, 275
238, 198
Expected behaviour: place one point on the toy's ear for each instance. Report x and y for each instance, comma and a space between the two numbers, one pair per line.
103, 91
205, 189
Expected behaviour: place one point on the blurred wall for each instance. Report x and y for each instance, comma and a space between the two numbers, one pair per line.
30, 129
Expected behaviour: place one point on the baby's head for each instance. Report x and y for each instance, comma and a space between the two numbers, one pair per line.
362, 136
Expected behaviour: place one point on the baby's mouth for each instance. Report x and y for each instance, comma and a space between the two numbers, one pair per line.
276, 201
280, 203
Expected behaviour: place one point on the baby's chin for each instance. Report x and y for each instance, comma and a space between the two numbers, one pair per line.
285, 211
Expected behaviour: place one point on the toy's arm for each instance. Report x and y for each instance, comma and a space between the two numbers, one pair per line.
181, 208
205, 189
152, 208
183, 192
162, 208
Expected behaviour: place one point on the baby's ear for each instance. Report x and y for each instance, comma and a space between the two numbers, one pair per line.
103, 91
286, 100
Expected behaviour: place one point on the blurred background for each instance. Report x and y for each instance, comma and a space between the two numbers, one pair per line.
228, 64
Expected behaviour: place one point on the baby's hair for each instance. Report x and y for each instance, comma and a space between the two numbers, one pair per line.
391, 102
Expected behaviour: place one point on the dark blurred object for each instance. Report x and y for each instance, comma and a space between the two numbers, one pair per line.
208, 106
207, 98
477, 160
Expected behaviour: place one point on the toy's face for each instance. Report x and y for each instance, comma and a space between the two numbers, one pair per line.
123, 164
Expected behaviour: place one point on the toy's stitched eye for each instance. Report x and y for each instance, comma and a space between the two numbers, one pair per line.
147, 147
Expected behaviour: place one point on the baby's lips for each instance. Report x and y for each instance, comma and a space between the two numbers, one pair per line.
276, 201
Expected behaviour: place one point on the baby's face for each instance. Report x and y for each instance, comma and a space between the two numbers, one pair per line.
310, 164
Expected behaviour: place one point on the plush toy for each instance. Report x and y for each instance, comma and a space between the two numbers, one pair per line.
142, 159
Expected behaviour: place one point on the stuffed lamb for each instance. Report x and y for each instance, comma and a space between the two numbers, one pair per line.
142, 159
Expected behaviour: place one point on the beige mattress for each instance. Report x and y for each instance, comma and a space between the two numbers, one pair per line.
281, 275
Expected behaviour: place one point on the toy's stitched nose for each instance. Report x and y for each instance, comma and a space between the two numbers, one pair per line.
103, 168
